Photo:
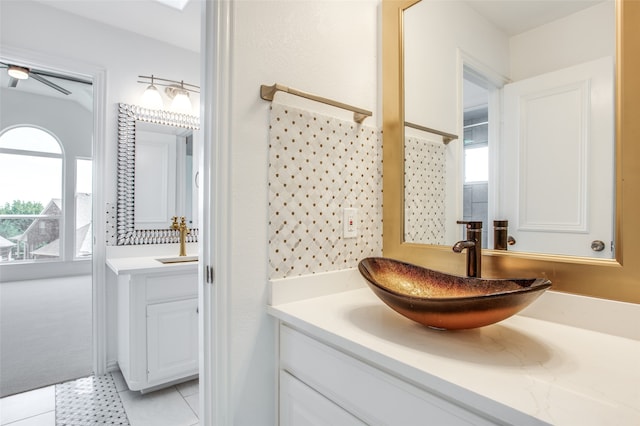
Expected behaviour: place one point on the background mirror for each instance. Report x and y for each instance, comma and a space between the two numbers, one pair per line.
156, 175
528, 88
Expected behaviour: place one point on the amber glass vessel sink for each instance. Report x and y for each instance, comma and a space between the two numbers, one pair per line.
444, 301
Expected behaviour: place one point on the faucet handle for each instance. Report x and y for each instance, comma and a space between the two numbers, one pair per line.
471, 224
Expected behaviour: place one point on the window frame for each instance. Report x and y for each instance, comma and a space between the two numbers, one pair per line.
66, 264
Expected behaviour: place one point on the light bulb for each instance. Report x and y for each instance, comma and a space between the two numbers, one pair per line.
18, 72
151, 98
181, 102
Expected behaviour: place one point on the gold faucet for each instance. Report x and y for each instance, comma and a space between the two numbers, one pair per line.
182, 227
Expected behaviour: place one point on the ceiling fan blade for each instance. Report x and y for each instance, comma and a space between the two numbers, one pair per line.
49, 83
13, 82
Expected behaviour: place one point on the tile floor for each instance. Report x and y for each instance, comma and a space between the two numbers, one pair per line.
173, 406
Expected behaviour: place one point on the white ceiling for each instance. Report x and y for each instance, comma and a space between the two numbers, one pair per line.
517, 16
151, 18
157, 20
81, 93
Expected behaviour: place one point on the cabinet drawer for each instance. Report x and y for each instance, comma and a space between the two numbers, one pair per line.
368, 393
301, 405
171, 287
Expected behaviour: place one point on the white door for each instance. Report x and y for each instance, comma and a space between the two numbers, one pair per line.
557, 183
172, 340
155, 179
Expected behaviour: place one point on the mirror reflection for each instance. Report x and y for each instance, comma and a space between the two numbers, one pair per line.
163, 175
157, 179
527, 89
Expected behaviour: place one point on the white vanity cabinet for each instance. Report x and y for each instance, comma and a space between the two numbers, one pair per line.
157, 327
302, 405
323, 385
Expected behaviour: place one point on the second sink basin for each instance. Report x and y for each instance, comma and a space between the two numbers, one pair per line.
445, 301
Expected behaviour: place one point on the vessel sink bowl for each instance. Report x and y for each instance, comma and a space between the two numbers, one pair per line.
178, 259
445, 301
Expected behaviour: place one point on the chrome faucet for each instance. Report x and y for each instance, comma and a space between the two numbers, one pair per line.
182, 227
473, 245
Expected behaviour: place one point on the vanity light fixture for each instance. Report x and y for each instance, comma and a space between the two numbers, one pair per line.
178, 91
181, 102
18, 72
151, 97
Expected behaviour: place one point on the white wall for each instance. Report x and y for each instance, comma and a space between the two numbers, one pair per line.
434, 33
581, 37
329, 48
44, 31
68, 121
124, 55
438, 37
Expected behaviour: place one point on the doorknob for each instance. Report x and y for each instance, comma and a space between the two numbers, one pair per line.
597, 245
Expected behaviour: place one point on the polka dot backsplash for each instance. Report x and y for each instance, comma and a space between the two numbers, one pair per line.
319, 165
425, 191
111, 230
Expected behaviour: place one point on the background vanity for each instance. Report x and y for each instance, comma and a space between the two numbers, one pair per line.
157, 303
157, 314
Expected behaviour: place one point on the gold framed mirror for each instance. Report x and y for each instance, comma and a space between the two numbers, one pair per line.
617, 279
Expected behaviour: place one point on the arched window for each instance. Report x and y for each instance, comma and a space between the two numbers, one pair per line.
31, 207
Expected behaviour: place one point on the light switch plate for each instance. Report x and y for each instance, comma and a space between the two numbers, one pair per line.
350, 222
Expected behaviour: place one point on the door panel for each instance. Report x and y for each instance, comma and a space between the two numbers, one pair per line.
558, 154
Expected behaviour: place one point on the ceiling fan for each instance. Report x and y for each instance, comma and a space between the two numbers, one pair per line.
17, 73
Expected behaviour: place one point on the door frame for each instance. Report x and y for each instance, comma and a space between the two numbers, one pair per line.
98, 77
215, 198
495, 82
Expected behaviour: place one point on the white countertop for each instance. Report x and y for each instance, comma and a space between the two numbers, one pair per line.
523, 370
147, 265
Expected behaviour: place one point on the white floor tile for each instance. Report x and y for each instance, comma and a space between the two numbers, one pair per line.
118, 378
188, 388
46, 419
194, 403
165, 407
27, 404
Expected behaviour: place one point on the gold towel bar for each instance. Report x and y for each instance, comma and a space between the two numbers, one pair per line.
446, 137
267, 93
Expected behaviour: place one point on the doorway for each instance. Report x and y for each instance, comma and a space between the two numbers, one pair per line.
47, 151
479, 144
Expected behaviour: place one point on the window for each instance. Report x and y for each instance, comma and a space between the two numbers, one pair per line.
84, 183
33, 216
476, 164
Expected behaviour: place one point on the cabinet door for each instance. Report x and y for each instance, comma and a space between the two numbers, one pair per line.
301, 406
172, 340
